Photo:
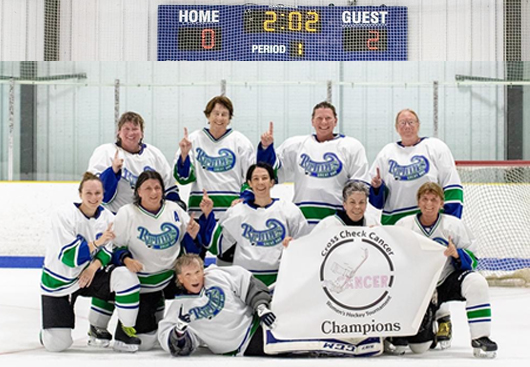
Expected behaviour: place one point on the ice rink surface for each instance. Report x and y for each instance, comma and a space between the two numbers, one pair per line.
20, 324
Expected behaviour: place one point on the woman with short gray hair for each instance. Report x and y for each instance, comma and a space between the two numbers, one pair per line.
354, 201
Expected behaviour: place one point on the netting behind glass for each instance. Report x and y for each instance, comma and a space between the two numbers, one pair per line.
497, 210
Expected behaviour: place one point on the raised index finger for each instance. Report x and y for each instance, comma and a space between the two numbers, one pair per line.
185, 133
204, 193
378, 174
271, 128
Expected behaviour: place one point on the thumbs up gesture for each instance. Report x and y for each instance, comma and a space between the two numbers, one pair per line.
267, 138
206, 204
185, 145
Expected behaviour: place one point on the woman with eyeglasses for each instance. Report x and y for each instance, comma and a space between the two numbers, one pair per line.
402, 167
398, 172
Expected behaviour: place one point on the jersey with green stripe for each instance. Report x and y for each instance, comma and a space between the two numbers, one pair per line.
217, 165
319, 171
405, 168
446, 226
68, 253
257, 234
220, 314
153, 240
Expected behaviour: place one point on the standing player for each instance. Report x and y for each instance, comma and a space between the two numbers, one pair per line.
119, 164
215, 159
151, 234
257, 227
318, 164
81, 235
400, 169
458, 281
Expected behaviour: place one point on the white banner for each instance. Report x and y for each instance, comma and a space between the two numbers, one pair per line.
355, 282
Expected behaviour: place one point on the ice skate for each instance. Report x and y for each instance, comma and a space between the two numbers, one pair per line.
98, 337
125, 339
444, 334
484, 347
396, 345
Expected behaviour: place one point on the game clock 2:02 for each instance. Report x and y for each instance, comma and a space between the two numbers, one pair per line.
282, 21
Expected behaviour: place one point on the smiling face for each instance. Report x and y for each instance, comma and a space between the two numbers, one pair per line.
430, 205
130, 135
408, 127
355, 205
91, 195
150, 193
324, 121
261, 183
191, 277
219, 119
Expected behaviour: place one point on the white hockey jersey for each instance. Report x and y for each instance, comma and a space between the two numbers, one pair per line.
217, 165
319, 171
446, 226
149, 158
67, 253
405, 169
219, 316
152, 239
257, 234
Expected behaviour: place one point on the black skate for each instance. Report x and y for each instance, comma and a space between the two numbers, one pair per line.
444, 334
484, 347
98, 337
125, 339
396, 345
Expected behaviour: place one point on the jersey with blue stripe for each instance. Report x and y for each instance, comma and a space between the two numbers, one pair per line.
404, 169
447, 226
319, 171
68, 253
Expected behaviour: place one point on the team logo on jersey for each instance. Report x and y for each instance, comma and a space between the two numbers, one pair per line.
161, 241
216, 302
273, 235
224, 162
357, 272
418, 168
331, 166
130, 177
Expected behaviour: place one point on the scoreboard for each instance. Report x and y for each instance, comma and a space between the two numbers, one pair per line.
278, 33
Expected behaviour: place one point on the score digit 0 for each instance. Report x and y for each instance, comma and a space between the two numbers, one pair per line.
208, 38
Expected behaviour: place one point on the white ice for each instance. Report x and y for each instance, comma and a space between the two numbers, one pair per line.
21, 319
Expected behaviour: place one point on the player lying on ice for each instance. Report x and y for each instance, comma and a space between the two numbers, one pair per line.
458, 280
226, 309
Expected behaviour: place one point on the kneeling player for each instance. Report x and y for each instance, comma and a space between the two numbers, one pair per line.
80, 245
458, 281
